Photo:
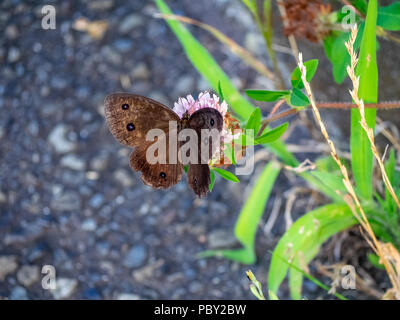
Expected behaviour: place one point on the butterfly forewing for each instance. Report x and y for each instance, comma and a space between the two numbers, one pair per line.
131, 116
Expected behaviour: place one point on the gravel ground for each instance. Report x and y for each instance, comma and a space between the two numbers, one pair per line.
67, 196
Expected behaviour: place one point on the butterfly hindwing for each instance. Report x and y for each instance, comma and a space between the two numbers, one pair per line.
155, 175
199, 178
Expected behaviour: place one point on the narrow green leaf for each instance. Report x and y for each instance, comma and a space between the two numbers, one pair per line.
311, 67
251, 5
367, 69
302, 273
267, 95
221, 94
303, 240
374, 260
226, 175
212, 178
333, 182
254, 121
298, 98
389, 17
272, 135
272, 296
230, 153
336, 52
390, 168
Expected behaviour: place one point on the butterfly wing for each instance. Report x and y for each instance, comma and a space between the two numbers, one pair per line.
199, 174
130, 117
155, 175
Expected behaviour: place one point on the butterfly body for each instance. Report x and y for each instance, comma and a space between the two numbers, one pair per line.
130, 117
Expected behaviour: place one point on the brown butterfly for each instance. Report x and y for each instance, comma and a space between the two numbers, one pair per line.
130, 117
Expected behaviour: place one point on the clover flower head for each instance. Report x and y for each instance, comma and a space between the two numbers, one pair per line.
205, 100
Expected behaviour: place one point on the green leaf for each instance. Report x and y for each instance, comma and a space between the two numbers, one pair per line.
301, 272
298, 98
360, 5
230, 153
374, 260
336, 52
272, 135
226, 175
272, 296
246, 139
301, 243
267, 95
389, 17
212, 178
333, 182
367, 69
311, 67
221, 94
249, 218
254, 121
390, 168
251, 5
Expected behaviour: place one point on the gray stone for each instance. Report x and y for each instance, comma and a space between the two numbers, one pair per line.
28, 275
123, 177
68, 201
184, 85
11, 32
13, 54
254, 42
111, 55
73, 162
130, 22
3, 197
8, 264
100, 5
65, 287
127, 296
99, 163
89, 225
18, 293
135, 257
122, 45
57, 138
96, 201
140, 72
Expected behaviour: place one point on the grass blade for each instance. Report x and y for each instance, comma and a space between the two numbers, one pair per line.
360, 147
